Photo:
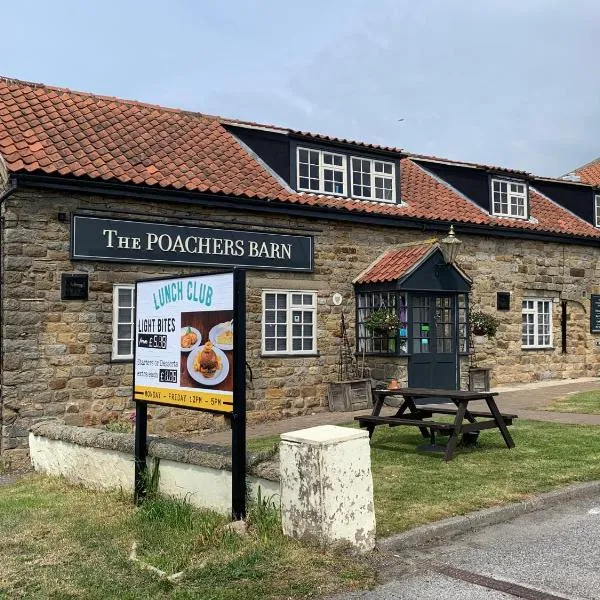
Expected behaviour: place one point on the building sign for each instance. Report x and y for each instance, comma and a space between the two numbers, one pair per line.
120, 240
184, 341
595, 313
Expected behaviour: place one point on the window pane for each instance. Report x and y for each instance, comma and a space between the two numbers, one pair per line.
296, 299
270, 345
269, 300
125, 315
297, 330
125, 297
124, 332
281, 345
124, 348
270, 330
307, 344
281, 301
296, 344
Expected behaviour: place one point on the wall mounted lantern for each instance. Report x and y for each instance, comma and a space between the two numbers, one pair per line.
450, 246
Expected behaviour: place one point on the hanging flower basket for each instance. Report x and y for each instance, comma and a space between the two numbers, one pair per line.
383, 321
483, 324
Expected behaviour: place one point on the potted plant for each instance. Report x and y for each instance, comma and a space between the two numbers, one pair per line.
483, 324
383, 321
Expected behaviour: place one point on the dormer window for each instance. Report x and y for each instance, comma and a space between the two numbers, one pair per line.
321, 172
373, 179
597, 209
509, 199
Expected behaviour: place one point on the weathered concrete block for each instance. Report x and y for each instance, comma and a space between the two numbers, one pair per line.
327, 486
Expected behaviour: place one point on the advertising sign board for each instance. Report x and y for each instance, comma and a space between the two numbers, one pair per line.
190, 352
185, 336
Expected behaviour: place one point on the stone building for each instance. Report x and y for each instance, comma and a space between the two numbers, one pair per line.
338, 227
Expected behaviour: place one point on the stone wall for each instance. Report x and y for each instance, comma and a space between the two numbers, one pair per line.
101, 460
57, 354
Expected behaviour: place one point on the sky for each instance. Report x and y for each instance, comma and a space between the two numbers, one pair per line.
513, 83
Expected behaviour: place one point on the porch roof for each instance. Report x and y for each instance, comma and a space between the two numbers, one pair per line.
396, 262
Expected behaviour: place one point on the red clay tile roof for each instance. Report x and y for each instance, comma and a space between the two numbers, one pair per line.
394, 263
57, 131
590, 173
54, 131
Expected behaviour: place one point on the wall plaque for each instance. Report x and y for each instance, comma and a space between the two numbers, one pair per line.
121, 240
595, 313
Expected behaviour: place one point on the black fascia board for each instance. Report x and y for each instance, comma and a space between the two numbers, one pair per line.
257, 205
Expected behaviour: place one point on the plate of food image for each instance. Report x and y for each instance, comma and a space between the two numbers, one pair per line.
189, 338
207, 364
221, 335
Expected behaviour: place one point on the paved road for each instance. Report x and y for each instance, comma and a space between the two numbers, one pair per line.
544, 555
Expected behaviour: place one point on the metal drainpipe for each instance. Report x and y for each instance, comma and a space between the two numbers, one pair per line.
6, 193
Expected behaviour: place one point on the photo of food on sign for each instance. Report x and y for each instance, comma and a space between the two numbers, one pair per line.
206, 344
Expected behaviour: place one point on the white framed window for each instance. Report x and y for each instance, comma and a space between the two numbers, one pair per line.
509, 199
289, 322
597, 210
122, 325
321, 172
373, 179
537, 323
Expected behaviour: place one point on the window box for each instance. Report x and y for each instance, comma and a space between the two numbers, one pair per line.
349, 395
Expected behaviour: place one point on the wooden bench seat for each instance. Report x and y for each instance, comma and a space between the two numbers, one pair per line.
393, 421
508, 418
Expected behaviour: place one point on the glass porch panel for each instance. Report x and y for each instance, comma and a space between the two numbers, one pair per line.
421, 326
444, 324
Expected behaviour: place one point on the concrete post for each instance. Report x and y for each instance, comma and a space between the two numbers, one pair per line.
327, 487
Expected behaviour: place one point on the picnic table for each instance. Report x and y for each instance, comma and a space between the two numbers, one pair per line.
466, 422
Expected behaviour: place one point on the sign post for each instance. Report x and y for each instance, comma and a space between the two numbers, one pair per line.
190, 352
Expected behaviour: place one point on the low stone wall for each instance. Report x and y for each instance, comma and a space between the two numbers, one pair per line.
99, 459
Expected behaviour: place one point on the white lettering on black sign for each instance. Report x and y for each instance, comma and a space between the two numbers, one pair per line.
122, 240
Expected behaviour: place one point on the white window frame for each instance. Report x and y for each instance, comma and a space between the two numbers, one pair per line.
289, 329
322, 168
597, 210
512, 198
535, 312
115, 322
373, 174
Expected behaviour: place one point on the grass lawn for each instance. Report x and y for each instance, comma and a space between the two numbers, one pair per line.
412, 488
62, 542
581, 402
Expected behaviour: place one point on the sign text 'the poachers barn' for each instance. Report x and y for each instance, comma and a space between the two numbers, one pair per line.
123, 240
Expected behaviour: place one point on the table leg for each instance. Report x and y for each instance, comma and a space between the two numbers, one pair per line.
377, 405
453, 440
500, 422
410, 404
